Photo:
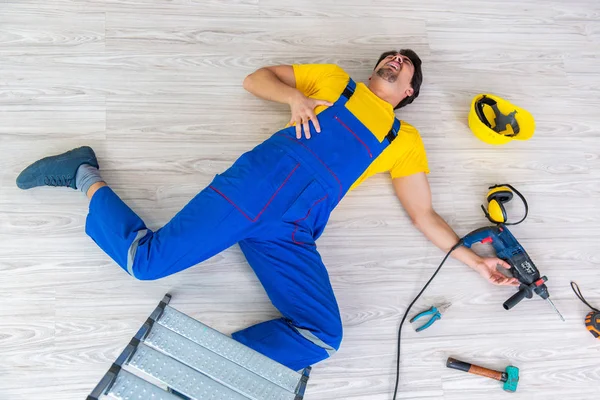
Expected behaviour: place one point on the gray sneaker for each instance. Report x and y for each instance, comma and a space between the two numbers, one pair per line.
59, 170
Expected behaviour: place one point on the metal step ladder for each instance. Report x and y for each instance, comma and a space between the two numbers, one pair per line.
175, 357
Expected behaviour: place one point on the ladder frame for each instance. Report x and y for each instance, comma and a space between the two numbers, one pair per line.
109, 378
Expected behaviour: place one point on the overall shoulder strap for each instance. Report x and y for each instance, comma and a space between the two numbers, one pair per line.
347, 93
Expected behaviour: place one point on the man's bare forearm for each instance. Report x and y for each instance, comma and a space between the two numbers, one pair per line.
443, 236
265, 84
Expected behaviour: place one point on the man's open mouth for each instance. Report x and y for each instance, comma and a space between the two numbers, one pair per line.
393, 65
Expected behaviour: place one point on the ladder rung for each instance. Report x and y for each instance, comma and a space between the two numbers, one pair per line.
179, 376
213, 365
127, 386
230, 349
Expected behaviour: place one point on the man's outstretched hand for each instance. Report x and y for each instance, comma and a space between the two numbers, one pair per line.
487, 269
303, 111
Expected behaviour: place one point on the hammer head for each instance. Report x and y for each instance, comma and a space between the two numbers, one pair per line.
512, 380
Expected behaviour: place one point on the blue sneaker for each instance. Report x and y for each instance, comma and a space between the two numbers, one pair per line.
59, 170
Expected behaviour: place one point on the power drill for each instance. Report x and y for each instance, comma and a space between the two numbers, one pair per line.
521, 267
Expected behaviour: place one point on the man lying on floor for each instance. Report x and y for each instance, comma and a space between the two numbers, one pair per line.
275, 200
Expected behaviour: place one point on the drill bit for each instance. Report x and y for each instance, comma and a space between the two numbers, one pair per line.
555, 309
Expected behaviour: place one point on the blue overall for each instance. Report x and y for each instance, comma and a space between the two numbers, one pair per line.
274, 201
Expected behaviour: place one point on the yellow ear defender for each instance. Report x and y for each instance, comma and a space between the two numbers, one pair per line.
496, 198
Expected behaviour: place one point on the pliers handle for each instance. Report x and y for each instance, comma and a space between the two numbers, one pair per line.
433, 311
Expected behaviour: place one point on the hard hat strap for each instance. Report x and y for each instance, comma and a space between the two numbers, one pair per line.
501, 119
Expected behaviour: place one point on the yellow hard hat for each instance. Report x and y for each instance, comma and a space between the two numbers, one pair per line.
497, 121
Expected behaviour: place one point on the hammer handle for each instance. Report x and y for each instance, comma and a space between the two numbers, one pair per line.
476, 370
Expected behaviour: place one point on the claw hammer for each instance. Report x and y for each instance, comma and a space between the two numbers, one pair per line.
510, 377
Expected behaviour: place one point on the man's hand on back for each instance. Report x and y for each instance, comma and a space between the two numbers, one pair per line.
303, 111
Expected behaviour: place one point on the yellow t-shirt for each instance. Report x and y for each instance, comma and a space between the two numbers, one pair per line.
404, 156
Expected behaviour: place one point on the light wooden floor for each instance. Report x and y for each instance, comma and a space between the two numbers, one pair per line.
155, 87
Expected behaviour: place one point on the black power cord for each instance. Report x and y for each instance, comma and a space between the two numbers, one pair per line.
456, 246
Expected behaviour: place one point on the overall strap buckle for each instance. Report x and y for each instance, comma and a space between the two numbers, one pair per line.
393, 133
348, 91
